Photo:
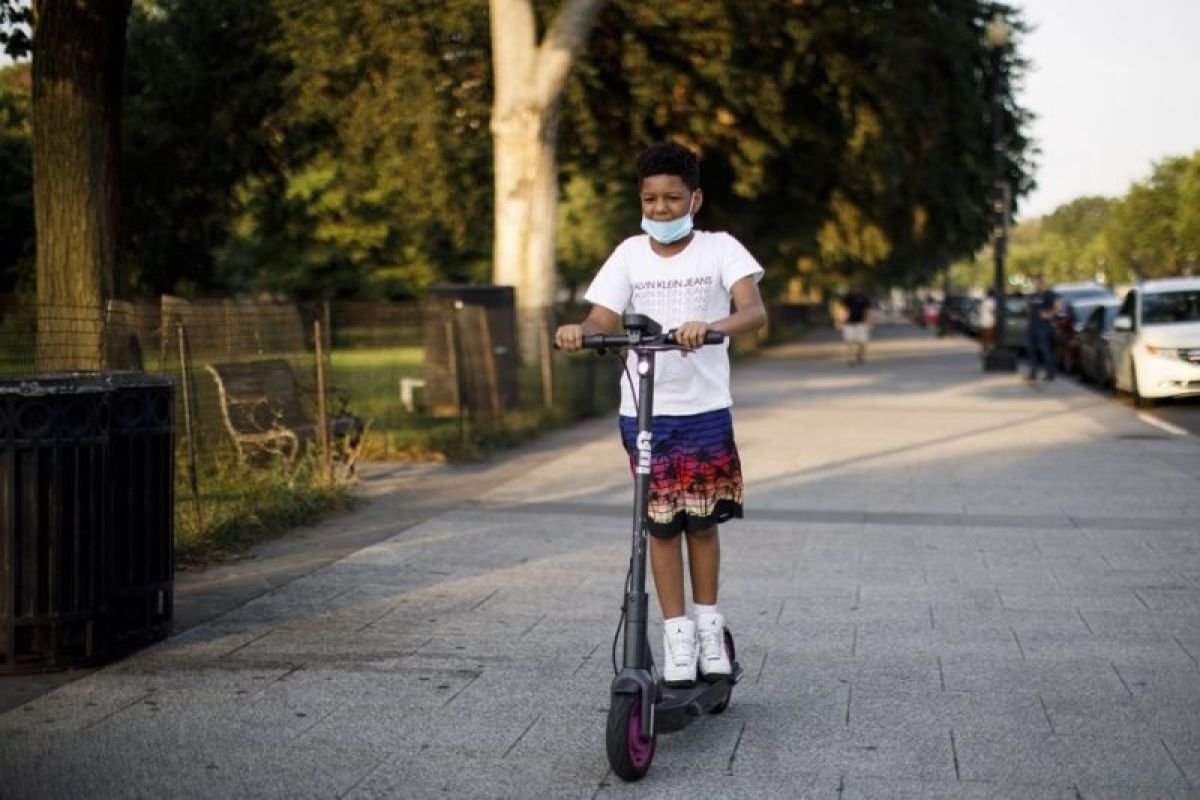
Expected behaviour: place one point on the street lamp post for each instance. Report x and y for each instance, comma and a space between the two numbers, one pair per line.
999, 358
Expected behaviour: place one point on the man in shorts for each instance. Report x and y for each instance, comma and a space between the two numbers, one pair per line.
855, 320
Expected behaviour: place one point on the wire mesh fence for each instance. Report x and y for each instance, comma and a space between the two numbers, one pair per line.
272, 395
270, 389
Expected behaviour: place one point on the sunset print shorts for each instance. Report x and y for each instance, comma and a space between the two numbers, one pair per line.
695, 474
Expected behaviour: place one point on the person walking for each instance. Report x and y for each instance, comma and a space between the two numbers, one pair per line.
855, 319
987, 321
1043, 303
685, 280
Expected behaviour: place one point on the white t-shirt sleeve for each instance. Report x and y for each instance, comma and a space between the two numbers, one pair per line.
736, 262
611, 287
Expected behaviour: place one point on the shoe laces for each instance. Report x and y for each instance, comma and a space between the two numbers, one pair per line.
679, 649
710, 641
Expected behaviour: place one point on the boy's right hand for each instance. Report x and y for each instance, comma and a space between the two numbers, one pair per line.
569, 337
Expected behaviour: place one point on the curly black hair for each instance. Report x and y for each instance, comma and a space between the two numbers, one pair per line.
669, 158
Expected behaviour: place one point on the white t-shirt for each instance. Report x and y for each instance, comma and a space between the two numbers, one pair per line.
987, 312
689, 286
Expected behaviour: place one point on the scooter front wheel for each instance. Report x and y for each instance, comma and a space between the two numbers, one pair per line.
629, 753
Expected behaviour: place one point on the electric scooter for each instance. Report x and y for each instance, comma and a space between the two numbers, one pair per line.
642, 706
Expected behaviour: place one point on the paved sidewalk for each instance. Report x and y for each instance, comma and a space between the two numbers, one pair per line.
948, 584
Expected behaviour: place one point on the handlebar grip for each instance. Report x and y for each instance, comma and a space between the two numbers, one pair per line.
710, 337
599, 341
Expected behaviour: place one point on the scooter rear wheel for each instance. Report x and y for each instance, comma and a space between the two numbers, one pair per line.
629, 753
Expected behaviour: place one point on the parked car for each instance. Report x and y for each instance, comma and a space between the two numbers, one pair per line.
1016, 323
1068, 323
1094, 363
927, 315
1068, 292
1076, 302
958, 312
1155, 342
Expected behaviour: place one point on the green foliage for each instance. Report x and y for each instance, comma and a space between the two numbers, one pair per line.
1155, 230
855, 135
388, 187
16, 180
592, 215
200, 88
343, 149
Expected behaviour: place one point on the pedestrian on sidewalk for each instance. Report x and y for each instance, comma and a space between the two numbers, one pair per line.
987, 321
1043, 304
854, 315
684, 279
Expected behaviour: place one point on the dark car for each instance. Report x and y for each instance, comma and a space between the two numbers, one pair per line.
1068, 323
1016, 323
1077, 301
1095, 363
958, 308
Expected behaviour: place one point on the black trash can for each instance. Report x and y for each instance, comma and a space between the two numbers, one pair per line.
54, 439
140, 559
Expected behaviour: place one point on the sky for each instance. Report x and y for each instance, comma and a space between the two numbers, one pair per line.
1115, 85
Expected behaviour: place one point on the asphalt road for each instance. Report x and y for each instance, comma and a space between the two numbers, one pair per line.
1178, 415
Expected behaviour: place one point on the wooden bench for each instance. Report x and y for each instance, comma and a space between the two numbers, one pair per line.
261, 405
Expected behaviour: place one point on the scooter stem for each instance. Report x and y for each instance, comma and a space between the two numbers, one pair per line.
637, 652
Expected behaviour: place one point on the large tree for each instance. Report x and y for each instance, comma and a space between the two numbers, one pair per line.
78, 52
529, 80
16, 181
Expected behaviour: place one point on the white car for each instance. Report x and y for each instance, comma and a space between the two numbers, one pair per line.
1155, 341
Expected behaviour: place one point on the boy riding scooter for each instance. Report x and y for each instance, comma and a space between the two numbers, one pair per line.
686, 281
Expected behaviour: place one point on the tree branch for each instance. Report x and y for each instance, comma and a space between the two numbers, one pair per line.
564, 42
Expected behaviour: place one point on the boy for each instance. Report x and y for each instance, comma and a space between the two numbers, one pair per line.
685, 280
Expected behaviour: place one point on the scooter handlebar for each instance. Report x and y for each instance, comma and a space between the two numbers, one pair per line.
604, 341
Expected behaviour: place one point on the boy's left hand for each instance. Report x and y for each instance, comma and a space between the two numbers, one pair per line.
691, 334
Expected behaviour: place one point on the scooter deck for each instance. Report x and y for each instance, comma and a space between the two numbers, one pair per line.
677, 707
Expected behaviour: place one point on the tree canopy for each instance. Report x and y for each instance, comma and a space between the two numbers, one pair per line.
343, 149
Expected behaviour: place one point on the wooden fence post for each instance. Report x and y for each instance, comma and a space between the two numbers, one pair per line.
185, 371
322, 412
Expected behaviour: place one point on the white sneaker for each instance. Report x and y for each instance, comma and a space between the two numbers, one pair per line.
679, 652
714, 660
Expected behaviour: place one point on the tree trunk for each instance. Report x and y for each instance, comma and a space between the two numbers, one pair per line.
526, 201
79, 50
529, 80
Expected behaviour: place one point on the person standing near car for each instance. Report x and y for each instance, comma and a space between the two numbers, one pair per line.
987, 321
1043, 304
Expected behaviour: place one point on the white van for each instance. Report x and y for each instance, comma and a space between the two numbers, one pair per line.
1155, 341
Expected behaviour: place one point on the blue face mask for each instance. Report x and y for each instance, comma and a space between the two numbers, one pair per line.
670, 231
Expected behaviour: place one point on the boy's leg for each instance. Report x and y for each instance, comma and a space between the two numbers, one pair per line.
666, 563
704, 563
679, 632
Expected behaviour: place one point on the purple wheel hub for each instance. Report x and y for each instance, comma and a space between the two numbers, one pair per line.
640, 749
